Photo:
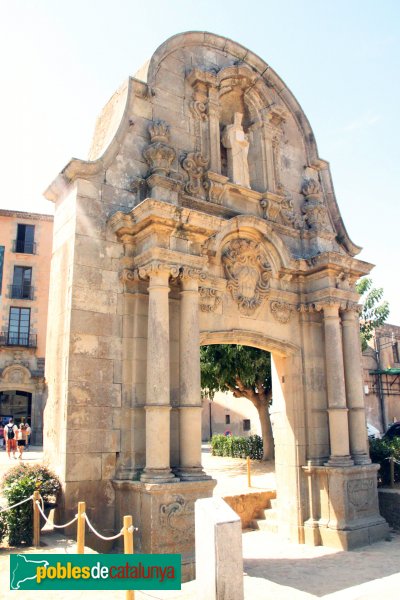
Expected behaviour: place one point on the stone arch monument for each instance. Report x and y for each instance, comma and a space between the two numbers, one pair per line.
204, 215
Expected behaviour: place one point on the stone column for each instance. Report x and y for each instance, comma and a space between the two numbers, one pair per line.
354, 387
157, 407
213, 125
337, 408
189, 380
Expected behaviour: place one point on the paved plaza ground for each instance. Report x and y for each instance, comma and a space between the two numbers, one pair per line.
273, 569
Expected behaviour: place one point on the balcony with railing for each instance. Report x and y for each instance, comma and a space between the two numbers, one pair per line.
24, 247
27, 340
21, 292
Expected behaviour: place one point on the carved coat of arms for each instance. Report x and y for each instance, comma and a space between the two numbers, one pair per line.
248, 272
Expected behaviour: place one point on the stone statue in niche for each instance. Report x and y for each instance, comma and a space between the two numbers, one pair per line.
235, 141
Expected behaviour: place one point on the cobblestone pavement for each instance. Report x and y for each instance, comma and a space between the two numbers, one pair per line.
273, 569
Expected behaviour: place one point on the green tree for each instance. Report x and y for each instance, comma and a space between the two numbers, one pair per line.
246, 372
374, 312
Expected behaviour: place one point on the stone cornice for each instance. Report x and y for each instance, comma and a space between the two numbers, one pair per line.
163, 255
19, 214
152, 211
335, 261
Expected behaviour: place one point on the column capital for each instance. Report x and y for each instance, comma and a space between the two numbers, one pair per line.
351, 312
190, 278
329, 306
160, 270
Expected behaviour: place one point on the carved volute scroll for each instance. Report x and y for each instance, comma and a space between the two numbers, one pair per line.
248, 272
194, 164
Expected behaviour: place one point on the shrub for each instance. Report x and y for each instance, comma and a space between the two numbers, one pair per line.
18, 484
380, 452
3, 526
237, 447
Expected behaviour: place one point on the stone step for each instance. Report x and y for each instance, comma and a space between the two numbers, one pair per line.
270, 514
263, 525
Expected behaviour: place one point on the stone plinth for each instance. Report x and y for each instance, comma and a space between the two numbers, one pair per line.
164, 514
348, 507
219, 560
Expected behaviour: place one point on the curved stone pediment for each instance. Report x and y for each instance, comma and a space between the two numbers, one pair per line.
196, 82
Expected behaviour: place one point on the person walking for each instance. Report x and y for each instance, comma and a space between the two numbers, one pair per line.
22, 436
10, 432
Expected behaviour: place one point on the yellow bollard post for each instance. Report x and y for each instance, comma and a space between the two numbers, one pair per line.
36, 519
128, 548
80, 535
248, 472
391, 472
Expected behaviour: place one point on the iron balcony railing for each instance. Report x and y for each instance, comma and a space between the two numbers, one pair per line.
24, 247
9, 338
21, 292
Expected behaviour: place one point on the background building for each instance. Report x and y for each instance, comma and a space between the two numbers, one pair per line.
381, 364
226, 413
25, 253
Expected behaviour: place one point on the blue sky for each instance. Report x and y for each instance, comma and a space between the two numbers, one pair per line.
61, 61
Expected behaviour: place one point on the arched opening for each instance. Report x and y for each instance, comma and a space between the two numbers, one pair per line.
237, 393
16, 404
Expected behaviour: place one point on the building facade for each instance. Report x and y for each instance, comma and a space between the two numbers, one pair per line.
25, 254
224, 413
381, 364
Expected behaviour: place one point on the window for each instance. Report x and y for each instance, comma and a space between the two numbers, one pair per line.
18, 327
1, 266
21, 286
227, 419
25, 239
246, 424
396, 352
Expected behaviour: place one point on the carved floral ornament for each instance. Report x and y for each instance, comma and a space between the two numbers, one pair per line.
248, 272
282, 311
210, 299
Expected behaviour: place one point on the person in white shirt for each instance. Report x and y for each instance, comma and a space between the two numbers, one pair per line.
22, 436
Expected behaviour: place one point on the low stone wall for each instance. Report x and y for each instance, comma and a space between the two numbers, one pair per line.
251, 505
389, 506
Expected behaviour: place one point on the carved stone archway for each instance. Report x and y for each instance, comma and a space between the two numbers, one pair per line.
156, 250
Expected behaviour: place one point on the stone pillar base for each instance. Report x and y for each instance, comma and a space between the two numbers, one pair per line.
191, 474
348, 540
158, 476
348, 507
164, 516
340, 461
361, 459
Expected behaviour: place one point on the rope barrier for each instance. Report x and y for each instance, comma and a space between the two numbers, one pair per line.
393, 459
53, 524
102, 537
14, 505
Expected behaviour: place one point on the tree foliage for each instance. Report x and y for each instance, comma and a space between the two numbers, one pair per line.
244, 371
375, 311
